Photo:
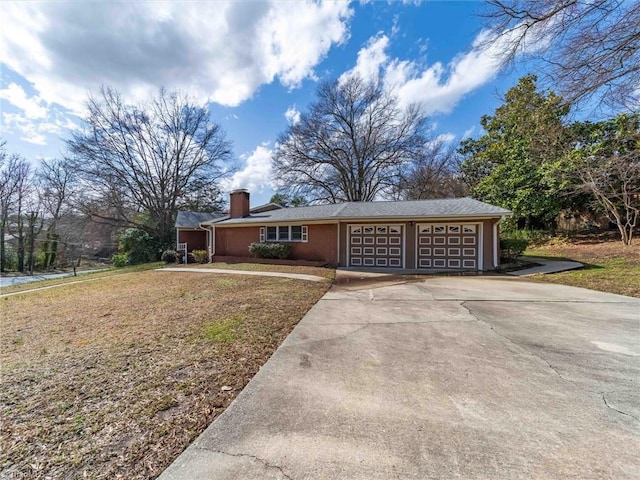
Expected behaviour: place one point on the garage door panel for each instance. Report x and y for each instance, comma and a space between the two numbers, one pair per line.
376, 245
447, 246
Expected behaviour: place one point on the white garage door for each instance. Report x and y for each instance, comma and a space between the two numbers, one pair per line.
376, 246
448, 245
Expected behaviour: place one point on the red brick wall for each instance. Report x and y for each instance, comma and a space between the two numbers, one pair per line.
196, 239
239, 204
322, 245
235, 241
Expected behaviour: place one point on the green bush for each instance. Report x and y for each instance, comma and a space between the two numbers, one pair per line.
200, 256
139, 246
270, 250
512, 248
534, 237
120, 260
169, 256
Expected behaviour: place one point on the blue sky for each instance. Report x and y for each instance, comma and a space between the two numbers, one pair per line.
256, 63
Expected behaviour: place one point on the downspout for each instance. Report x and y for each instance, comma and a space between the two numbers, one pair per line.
338, 247
495, 241
212, 231
210, 240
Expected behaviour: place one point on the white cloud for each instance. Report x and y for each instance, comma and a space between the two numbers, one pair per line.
256, 174
222, 51
31, 106
445, 137
468, 132
292, 115
35, 131
371, 58
437, 87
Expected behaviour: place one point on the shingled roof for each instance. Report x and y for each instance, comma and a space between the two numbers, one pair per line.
450, 207
194, 219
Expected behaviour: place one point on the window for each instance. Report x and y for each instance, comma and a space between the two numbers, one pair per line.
284, 233
296, 233
272, 234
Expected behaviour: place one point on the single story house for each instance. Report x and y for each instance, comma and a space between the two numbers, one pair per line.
449, 234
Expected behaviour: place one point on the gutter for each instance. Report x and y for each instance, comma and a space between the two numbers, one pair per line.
326, 220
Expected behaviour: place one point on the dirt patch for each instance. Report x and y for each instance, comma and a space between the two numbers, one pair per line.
114, 378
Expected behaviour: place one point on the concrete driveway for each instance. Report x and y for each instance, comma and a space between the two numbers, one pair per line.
452, 377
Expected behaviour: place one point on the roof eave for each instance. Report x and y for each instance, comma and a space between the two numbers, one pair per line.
251, 221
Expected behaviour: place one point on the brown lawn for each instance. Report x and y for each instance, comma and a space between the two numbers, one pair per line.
609, 265
113, 378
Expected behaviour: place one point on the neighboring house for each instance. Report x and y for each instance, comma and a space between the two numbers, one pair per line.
450, 234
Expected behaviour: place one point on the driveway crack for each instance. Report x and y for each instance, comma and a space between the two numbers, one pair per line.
604, 399
253, 457
555, 370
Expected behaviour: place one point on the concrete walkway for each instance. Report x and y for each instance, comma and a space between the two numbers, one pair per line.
546, 266
297, 276
6, 281
452, 377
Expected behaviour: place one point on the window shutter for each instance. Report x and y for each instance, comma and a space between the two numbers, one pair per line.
304, 233
262, 234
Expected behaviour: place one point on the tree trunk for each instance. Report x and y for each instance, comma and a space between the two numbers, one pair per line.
20, 252
32, 243
2, 249
54, 250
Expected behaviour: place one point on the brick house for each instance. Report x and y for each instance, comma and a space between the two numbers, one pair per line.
432, 235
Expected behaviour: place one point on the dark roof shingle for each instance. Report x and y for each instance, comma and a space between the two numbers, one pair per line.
450, 207
194, 219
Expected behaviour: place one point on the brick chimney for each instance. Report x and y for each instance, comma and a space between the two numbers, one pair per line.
239, 203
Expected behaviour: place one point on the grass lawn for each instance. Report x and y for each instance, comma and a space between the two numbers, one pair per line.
113, 378
609, 265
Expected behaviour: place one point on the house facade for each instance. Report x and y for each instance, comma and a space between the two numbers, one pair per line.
460, 234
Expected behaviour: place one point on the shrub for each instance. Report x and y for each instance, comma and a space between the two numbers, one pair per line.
270, 250
512, 248
120, 260
139, 246
535, 237
169, 256
200, 256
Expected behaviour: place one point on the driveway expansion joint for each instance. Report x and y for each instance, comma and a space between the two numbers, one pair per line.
253, 457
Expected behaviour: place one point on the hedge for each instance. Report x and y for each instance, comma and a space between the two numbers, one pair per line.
270, 250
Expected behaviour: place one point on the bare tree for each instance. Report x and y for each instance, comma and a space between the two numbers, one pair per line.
592, 47
351, 145
19, 204
434, 175
141, 160
13, 184
57, 187
606, 164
